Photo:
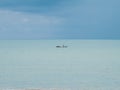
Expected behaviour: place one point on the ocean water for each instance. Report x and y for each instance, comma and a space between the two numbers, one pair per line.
39, 64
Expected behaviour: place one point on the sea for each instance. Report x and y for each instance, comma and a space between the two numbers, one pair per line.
83, 65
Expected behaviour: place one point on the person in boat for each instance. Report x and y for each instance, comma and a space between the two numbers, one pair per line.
64, 46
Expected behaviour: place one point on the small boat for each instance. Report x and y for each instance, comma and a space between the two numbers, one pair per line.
63, 46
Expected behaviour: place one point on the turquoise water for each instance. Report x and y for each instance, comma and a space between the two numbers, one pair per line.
38, 63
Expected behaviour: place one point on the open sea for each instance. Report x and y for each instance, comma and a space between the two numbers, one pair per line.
39, 64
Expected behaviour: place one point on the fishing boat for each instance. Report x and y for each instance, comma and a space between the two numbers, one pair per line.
63, 46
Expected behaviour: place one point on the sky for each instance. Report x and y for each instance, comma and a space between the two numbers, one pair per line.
60, 19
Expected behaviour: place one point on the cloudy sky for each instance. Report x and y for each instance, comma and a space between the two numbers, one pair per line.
59, 19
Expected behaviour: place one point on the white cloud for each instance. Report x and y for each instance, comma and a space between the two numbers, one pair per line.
17, 20
27, 25
25, 20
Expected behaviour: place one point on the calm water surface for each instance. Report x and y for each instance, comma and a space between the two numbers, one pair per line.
38, 63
